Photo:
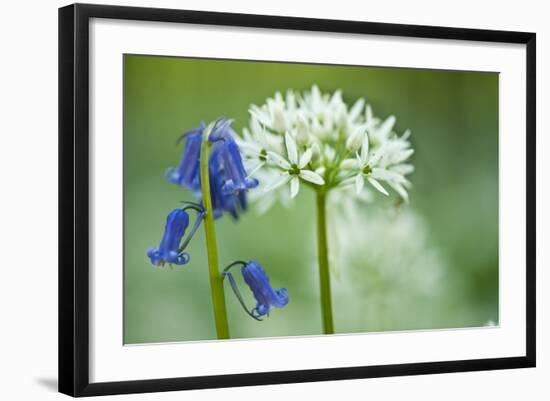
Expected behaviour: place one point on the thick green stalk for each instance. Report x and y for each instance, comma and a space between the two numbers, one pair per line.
216, 279
324, 272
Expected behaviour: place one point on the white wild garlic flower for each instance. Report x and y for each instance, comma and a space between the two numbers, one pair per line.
317, 140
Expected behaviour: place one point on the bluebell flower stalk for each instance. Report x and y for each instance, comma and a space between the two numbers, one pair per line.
216, 279
257, 280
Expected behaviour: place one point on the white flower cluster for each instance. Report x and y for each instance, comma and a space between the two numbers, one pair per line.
387, 266
316, 139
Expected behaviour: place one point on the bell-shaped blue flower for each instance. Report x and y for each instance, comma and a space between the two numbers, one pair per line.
187, 174
266, 296
223, 201
171, 245
228, 178
229, 155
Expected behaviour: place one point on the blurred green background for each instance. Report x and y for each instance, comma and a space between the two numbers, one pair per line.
430, 264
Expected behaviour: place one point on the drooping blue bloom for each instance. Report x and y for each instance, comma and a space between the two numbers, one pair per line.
266, 296
224, 200
227, 150
171, 245
187, 174
221, 201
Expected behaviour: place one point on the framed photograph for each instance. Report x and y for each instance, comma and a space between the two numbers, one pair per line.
250, 199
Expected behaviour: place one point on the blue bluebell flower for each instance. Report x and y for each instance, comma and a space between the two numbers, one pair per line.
227, 150
221, 201
228, 178
171, 248
226, 197
187, 174
266, 296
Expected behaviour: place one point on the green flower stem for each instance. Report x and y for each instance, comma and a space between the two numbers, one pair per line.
216, 279
324, 272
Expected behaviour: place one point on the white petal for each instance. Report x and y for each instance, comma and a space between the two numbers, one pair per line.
273, 142
259, 115
348, 164
294, 187
278, 160
280, 180
403, 155
310, 176
290, 100
247, 136
249, 148
291, 149
316, 128
386, 175
315, 95
278, 97
316, 150
359, 161
329, 153
320, 170
375, 158
347, 181
336, 98
386, 126
261, 137
278, 118
403, 169
400, 190
359, 183
255, 126
305, 159
302, 129
356, 109
365, 149
355, 140
368, 113
377, 185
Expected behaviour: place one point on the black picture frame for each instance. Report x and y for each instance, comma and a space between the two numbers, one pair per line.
74, 198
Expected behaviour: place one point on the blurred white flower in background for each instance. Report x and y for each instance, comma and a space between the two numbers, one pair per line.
314, 138
387, 267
